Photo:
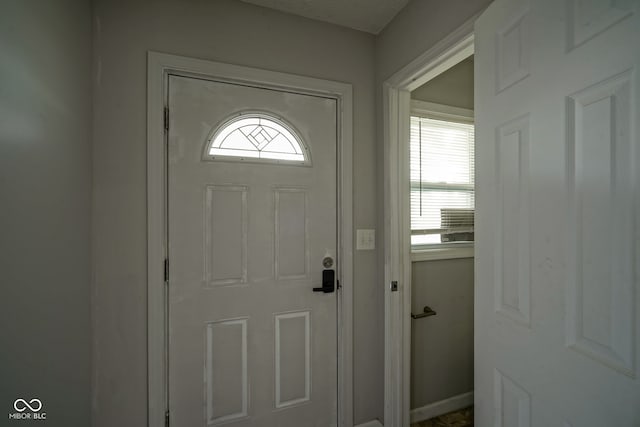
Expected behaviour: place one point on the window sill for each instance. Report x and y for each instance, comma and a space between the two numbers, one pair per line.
433, 254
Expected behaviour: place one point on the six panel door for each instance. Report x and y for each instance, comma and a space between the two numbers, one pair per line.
556, 327
250, 343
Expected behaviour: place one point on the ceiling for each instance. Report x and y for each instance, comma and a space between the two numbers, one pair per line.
370, 16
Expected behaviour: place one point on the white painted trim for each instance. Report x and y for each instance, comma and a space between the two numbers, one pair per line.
441, 111
397, 259
396, 112
157, 396
159, 65
433, 254
374, 423
442, 407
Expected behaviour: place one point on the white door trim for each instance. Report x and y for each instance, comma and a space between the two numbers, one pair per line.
159, 66
396, 109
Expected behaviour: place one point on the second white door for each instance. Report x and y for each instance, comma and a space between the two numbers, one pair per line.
557, 338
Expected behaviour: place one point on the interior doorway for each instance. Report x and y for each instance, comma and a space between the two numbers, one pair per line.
442, 204
453, 50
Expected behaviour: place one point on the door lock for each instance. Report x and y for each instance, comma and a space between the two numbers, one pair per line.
328, 282
327, 262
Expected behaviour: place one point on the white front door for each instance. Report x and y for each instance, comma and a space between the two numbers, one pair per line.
557, 338
252, 230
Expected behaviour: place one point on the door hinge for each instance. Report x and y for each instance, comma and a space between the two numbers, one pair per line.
166, 269
166, 419
166, 118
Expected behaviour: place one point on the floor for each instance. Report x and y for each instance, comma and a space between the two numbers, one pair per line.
461, 418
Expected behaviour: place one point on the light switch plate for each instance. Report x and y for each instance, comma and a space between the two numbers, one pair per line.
365, 240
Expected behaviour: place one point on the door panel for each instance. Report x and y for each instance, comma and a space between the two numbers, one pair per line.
250, 343
557, 336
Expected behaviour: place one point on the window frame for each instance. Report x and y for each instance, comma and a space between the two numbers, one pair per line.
437, 251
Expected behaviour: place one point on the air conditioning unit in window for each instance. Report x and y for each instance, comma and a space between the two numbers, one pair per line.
456, 224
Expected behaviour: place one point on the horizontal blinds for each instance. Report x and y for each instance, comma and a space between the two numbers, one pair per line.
442, 181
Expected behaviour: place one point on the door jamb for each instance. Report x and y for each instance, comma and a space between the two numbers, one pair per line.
396, 111
159, 66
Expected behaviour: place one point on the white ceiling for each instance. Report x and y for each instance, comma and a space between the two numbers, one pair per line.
364, 15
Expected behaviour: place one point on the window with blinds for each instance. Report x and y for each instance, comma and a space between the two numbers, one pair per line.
442, 181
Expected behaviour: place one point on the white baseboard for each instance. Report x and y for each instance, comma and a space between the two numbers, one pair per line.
432, 410
374, 423
442, 407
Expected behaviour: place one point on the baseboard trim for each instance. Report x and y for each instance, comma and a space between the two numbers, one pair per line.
442, 407
374, 423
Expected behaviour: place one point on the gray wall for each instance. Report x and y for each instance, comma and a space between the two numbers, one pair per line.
418, 27
45, 181
45, 165
454, 87
442, 345
227, 31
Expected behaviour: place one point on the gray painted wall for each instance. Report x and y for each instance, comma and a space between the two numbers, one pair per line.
442, 345
226, 31
418, 27
45, 105
454, 87
45, 181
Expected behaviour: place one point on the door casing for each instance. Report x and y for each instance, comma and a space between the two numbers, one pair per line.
397, 236
159, 67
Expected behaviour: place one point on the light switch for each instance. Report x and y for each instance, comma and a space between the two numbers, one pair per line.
365, 240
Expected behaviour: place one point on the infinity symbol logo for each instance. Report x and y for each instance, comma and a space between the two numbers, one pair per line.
21, 405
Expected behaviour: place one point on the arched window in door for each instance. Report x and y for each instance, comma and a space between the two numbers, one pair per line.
257, 137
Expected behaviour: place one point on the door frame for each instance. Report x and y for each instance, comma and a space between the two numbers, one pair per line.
159, 67
397, 240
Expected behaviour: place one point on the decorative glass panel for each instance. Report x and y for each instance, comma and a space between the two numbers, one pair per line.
257, 136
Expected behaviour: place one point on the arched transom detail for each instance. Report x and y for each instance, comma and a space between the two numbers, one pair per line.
257, 136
